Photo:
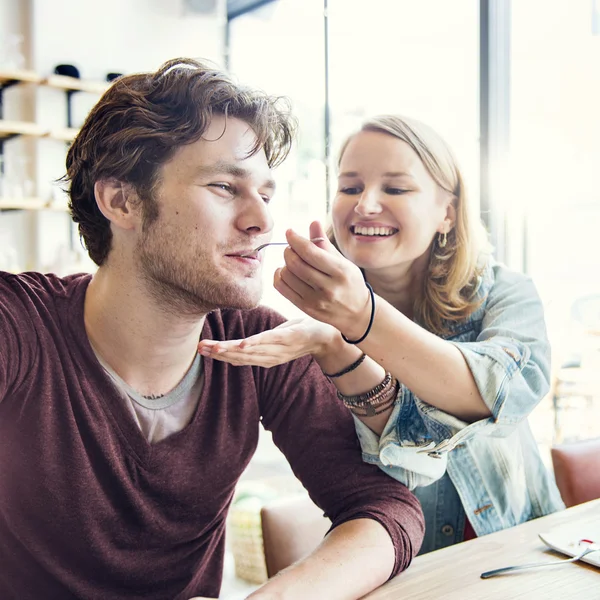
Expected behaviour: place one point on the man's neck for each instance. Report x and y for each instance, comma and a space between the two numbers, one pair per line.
146, 346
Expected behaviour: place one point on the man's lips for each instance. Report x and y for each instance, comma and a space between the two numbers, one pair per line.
249, 254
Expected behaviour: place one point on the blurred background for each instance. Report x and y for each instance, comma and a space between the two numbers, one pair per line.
514, 87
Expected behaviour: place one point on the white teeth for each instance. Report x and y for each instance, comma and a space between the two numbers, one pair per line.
379, 231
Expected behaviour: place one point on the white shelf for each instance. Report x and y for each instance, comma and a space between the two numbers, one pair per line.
63, 82
10, 128
31, 204
65, 134
7, 75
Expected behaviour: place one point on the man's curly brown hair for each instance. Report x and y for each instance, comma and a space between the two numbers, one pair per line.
141, 121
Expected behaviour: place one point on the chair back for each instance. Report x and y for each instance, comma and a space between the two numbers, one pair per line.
292, 528
577, 471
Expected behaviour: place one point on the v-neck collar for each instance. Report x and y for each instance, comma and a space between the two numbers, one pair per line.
145, 453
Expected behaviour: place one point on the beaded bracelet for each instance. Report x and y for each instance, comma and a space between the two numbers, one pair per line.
382, 397
374, 401
348, 369
372, 411
363, 398
366, 333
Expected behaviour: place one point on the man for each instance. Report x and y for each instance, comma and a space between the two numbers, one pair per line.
121, 445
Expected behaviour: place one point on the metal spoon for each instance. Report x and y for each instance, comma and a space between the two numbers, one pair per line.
259, 248
588, 550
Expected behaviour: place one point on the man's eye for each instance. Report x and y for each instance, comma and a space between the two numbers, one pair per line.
266, 199
351, 191
395, 191
222, 186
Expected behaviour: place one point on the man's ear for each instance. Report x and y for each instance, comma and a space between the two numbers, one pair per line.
114, 199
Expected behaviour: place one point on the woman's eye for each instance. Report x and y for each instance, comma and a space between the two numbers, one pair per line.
351, 191
266, 199
395, 191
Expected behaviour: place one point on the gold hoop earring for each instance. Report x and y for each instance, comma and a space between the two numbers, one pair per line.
442, 239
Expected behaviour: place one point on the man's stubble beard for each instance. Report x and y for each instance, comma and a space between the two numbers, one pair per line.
178, 286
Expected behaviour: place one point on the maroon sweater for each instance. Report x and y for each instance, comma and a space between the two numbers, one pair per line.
89, 509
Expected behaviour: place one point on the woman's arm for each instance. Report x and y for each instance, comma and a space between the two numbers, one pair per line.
467, 380
301, 337
331, 289
434, 369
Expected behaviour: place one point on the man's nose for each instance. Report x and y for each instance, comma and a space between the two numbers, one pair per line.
255, 215
368, 203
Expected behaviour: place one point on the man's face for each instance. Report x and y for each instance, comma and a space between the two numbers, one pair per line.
212, 202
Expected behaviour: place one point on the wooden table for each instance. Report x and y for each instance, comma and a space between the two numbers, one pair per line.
453, 573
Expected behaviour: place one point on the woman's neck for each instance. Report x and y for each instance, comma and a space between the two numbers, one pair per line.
400, 286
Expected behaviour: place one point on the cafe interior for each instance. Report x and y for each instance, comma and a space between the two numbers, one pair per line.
512, 86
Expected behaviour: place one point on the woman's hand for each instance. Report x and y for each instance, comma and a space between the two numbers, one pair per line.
286, 342
324, 284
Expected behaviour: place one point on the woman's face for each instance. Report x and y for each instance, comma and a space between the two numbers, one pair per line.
387, 208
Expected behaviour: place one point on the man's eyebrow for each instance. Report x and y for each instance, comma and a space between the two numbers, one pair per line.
388, 174
220, 168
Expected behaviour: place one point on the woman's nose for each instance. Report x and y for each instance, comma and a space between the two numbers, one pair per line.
368, 204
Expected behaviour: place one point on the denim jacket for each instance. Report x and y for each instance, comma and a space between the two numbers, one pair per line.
489, 471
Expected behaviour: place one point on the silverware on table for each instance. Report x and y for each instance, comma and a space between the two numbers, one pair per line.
589, 549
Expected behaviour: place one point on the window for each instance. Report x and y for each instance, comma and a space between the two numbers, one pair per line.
280, 48
418, 59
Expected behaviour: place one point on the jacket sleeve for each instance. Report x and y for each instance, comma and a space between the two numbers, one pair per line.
17, 337
510, 362
316, 433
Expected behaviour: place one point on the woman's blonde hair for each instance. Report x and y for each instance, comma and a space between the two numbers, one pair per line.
450, 286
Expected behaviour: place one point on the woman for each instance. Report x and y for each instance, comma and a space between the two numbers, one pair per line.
455, 348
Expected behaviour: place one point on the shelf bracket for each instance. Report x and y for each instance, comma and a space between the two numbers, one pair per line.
70, 94
5, 84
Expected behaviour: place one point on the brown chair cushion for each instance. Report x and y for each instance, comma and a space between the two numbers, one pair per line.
292, 528
577, 471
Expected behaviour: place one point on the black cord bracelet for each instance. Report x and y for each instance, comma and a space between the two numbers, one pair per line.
366, 333
348, 369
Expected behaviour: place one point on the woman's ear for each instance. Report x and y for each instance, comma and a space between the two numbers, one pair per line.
114, 198
450, 219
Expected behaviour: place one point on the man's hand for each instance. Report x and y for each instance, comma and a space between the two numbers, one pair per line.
290, 340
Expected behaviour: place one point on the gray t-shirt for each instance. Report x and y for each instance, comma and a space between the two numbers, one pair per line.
160, 417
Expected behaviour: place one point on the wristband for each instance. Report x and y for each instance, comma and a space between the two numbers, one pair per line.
366, 333
348, 369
